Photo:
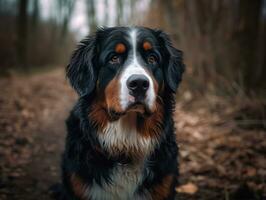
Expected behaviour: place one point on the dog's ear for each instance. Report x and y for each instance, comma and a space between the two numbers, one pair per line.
174, 66
81, 69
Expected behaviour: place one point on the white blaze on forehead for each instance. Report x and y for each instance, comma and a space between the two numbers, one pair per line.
134, 68
133, 36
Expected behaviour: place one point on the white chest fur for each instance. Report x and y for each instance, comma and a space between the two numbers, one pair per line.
125, 180
122, 136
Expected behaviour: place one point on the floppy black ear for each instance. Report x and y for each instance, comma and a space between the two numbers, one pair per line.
81, 69
174, 66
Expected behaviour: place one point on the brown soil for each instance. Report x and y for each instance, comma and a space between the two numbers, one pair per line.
218, 160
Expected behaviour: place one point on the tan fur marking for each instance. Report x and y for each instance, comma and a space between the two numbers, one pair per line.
98, 114
108, 101
151, 126
147, 46
156, 90
162, 190
112, 95
120, 48
78, 187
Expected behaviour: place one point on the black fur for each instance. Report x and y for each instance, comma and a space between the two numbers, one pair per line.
82, 155
81, 71
175, 67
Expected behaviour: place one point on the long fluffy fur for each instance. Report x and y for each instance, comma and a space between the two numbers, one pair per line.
103, 153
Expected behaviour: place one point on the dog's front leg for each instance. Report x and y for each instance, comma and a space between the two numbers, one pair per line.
165, 189
75, 188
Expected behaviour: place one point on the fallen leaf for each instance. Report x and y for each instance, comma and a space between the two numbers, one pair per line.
250, 171
188, 188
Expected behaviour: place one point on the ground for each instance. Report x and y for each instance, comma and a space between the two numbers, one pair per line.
218, 158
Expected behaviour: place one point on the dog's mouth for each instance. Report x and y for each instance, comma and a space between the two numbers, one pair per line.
140, 108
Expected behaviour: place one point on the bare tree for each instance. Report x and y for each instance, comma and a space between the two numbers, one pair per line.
261, 61
22, 24
220, 38
65, 8
91, 15
119, 15
106, 12
35, 14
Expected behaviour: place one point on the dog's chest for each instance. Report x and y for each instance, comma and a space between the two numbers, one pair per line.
124, 182
122, 136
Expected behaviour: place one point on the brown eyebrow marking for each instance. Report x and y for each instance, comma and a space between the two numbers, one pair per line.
120, 48
147, 46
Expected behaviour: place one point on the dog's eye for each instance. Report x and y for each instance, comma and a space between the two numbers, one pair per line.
115, 60
152, 59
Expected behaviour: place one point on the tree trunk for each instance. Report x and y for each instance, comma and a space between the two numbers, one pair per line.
248, 41
119, 10
35, 14
91, 15
67, 7
22, 33
261, 61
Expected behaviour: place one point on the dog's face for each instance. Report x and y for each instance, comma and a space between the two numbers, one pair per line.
127, 67
130, 70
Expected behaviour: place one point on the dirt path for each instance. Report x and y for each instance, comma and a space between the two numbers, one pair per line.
218, 160
33, 110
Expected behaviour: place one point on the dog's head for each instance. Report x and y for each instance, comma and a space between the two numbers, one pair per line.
126, 68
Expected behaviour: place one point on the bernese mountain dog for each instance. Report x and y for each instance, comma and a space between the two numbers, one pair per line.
121, 140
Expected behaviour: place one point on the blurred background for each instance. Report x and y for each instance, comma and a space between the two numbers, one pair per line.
222, 40
220, 112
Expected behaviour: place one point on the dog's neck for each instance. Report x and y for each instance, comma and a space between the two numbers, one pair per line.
122, 136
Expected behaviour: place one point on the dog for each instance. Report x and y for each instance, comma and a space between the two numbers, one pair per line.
121, 140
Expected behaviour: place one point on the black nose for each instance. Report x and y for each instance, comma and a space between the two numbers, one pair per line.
138, 85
